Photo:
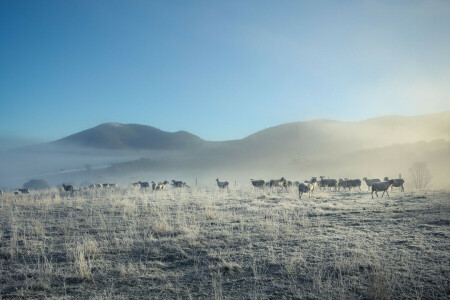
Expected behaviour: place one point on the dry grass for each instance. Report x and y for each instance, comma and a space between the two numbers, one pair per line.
239, 243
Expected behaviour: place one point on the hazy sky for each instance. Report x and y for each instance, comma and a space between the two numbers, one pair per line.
219, 69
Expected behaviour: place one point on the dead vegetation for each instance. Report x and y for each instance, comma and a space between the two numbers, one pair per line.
239, 243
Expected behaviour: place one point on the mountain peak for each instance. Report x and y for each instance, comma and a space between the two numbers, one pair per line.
117, 136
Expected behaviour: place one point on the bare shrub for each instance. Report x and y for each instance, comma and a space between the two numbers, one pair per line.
420, 175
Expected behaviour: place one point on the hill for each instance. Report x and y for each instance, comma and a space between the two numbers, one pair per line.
116, 136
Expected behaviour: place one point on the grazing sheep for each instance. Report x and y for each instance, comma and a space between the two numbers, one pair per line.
305, 188
382, 186
342, 184
162, 185
95, 185
24, 191
178, 183
278, 182
354, 183
327, 183
258, 183
67, 187
369, 182
397, 183
222, 184
159, 186
143, 184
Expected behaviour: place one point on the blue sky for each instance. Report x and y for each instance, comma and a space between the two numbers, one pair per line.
219, 69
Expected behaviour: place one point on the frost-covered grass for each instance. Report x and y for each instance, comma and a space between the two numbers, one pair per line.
239, 243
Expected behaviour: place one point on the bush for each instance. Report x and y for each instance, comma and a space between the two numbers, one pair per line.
36, 184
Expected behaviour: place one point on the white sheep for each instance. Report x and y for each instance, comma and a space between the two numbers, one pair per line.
305, 188
369, 182
382, 186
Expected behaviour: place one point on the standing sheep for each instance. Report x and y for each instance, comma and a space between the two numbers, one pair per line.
222, 184
305, 188
258, 183
382, 186
369, 182
397, 183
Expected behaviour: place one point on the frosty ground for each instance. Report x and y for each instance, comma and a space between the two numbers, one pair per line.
238, 243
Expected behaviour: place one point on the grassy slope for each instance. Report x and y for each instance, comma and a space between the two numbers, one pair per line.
239, 244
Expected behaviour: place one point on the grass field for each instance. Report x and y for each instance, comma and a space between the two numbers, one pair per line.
239, 243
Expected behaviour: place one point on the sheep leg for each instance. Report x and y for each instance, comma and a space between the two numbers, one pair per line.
387, 193
372, 194
403, 189
376, 193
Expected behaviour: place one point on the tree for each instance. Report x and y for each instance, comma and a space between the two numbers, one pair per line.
36, 184
420, 175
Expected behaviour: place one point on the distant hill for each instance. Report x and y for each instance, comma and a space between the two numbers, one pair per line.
320, 147
320, 137
116, 136
298, 138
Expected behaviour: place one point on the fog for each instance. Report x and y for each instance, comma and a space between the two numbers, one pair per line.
385, 146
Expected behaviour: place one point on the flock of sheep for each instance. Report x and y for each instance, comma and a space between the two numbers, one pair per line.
308, 186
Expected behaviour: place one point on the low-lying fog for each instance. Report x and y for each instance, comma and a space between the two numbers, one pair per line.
386, 146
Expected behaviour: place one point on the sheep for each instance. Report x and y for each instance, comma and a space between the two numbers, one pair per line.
342, 184
369, 182
354, 183
24, 191
397, 183
312, 182
305, 188
162, 185
278, 182
382, 186
95, 185
327, 182
222, 184
143, 184
178, 183
258, 183
159, 186
67, 187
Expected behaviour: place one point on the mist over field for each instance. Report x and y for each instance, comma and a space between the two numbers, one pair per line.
112, 152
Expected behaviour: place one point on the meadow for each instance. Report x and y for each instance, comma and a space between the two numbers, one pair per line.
237, 243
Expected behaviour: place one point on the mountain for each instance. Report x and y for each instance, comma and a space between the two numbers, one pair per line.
116, 136
328, 136
319, 147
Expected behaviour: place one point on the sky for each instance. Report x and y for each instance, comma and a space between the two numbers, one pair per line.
219, 69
